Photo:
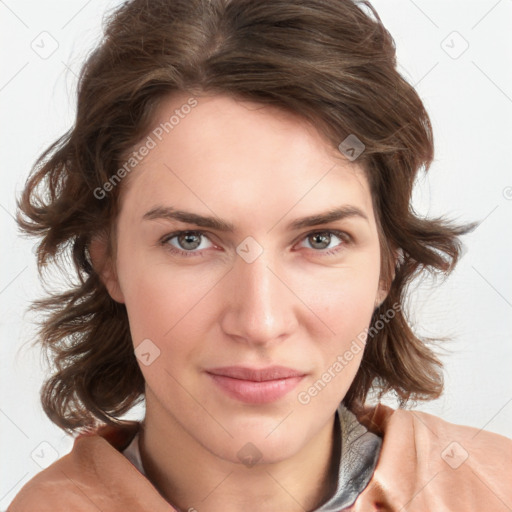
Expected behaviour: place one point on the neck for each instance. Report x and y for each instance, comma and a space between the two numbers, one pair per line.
192, 478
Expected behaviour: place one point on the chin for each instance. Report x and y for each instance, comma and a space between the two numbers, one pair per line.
249, 451
263, 440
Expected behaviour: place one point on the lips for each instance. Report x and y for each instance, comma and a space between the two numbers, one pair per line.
256, 385
256, 375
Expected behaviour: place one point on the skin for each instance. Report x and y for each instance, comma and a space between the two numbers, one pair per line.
258, 168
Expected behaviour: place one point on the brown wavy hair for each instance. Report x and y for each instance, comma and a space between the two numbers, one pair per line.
333, 63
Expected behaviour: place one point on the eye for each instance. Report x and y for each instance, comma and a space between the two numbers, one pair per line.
331, 240
186, 243
194, 243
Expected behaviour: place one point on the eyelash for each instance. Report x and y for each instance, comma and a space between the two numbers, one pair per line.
342, 235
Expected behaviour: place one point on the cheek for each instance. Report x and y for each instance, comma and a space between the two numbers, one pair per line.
343, 297
159, 312
170, 307
158, 303
344, 300
347, 310
156, 295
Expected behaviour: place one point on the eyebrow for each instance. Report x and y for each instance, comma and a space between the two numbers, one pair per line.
169, 213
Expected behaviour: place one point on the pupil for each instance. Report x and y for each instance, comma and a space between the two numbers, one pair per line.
322, 239
189, 241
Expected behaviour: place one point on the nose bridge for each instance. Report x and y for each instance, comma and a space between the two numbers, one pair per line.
261, 308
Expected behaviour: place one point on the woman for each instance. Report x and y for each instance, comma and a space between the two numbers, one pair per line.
236, 192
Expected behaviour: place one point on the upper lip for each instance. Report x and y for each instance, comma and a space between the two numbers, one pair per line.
256, 374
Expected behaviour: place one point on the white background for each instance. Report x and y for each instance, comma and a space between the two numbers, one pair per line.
469, 99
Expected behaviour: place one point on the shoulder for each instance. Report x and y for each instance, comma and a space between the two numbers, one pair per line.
387, 421
427, 461
60, 483
94, 476
429, 433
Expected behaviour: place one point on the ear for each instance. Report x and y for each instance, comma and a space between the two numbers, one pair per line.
105, 267
381, 295
387, 277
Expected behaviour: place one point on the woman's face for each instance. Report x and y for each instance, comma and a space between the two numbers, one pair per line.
251, 286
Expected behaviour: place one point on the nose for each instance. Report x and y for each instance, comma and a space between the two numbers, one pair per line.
260, 308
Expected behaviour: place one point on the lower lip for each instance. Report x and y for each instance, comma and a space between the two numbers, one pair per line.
253, 392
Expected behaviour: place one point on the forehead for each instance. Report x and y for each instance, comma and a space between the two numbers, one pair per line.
220, 154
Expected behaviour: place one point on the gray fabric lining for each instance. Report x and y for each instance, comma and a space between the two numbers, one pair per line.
360, 450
